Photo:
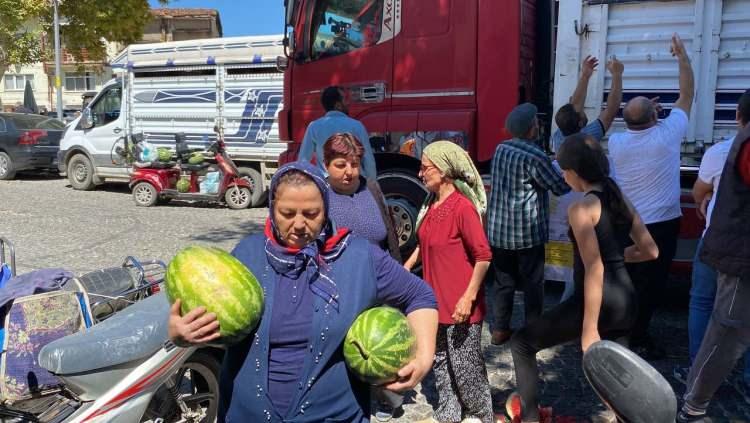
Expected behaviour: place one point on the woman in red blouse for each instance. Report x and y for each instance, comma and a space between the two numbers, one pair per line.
455, 256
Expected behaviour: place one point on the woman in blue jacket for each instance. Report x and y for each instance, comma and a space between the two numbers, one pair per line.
317, 279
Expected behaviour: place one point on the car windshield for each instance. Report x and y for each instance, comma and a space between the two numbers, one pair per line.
36, 122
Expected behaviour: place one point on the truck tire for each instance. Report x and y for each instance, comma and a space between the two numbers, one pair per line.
6, 167
254, 178
404, 194
81, 173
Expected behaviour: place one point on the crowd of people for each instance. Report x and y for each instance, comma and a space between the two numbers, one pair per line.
329, 251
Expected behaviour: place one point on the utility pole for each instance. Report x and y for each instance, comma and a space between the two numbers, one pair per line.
58, 81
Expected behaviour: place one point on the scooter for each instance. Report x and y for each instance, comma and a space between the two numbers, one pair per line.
153, 181
123, 368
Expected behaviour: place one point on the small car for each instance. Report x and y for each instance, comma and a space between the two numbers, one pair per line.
28, 141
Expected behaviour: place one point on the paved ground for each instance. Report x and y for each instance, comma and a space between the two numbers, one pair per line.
53, 225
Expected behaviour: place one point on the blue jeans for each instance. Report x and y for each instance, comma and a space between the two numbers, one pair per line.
702, 296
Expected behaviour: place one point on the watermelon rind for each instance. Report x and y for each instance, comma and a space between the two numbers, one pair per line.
183, 185
164, 154
212, 278
378, 344
196, 158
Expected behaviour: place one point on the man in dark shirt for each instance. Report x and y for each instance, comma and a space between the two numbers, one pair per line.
518, 219
726, 248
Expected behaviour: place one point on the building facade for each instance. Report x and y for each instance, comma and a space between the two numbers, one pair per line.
80, 78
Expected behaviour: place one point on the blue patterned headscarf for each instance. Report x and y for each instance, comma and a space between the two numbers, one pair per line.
313, 260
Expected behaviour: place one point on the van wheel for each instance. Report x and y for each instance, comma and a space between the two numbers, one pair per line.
81, 173
255, 180
6, 167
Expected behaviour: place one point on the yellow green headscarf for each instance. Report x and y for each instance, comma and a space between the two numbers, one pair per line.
454, 162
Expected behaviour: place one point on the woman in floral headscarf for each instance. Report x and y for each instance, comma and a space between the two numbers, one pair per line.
317, 279
455, 255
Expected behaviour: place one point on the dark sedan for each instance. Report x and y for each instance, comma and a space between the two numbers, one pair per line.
28, 141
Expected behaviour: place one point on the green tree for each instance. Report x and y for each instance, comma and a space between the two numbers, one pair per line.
23, 22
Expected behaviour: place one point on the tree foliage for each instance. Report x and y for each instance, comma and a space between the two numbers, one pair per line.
87, 22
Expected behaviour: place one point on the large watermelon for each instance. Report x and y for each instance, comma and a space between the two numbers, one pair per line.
196, 158
183, 185
165, 154
379, 343
212, 278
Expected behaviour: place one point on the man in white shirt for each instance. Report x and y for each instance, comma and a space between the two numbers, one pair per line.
646, 159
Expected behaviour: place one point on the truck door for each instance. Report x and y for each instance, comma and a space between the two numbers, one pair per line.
349, 44
108, 126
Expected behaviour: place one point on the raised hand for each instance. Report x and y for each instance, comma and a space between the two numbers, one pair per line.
589, 66
678, 47
615, 67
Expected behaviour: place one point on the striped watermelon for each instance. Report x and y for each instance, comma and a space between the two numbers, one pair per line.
379, 343
213, 278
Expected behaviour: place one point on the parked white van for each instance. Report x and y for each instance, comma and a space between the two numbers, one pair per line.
231, 84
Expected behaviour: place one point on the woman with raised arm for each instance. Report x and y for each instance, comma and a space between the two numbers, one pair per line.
602, 225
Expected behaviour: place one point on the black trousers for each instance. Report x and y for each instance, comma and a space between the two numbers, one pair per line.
564, 323
650, 277
516, 270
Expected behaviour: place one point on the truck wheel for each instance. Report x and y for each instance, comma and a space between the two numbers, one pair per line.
144, 194
238, 198
81, 173
6, 167
254, 178
404, 194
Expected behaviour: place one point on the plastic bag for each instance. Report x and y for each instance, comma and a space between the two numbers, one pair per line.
148, 152
5, 274
212, 177
208, 187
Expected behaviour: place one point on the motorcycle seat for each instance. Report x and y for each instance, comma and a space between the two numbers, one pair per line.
194, 167
131, 334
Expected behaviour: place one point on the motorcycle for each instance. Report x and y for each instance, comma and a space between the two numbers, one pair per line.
155, 180
123, 368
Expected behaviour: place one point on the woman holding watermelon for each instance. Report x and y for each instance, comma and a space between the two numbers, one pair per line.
317, 279
455, 255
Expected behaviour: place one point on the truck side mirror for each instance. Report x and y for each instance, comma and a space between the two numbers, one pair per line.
87, 121
282, 62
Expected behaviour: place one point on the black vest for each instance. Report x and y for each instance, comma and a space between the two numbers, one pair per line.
726, 245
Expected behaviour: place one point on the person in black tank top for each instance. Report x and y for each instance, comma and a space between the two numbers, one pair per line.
604, 302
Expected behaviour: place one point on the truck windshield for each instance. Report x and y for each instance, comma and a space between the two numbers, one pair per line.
341, 26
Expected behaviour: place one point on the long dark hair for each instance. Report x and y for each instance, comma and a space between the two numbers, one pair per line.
584, 155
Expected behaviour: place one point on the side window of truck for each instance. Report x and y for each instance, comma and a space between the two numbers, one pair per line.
107, 107
340, 27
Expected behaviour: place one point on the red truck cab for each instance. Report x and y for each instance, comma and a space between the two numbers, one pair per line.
413, 73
